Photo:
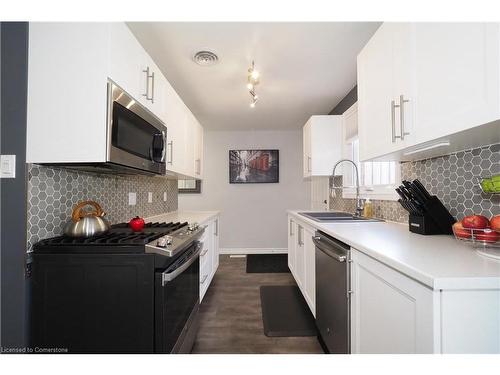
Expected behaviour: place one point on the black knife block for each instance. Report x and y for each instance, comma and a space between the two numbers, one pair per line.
435, 220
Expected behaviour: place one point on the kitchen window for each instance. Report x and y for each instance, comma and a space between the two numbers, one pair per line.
378, 179
189, 186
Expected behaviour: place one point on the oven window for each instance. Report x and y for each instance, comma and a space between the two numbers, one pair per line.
174, 303
131, 133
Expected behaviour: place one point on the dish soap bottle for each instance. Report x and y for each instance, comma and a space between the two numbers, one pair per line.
368, 208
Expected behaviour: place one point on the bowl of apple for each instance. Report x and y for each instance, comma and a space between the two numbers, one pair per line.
482, 233
478, 229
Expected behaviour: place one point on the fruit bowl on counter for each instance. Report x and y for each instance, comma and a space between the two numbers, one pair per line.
481, 233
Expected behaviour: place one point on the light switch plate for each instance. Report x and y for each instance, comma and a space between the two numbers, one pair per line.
150, 197
132, 199
8, 166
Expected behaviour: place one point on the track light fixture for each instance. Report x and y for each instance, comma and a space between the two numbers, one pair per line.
253, 80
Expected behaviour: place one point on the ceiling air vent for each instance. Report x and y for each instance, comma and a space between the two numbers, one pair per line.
205, 58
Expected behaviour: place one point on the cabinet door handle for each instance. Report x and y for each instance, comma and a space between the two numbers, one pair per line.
153, 87
309, 164
216, 227
171, 143
204, 252
402, 102
291, 228
299, 235
393, 120
204, 279
198, 166
148, 76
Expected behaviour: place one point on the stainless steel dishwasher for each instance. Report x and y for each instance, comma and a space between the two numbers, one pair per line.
333, 292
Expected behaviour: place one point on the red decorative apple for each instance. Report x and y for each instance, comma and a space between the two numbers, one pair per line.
136, 224
460, 231
475, 222
487, 235
495, 223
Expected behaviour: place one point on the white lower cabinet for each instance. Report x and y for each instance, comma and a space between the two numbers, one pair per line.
392, 313
209, 256
301, 259
292, 243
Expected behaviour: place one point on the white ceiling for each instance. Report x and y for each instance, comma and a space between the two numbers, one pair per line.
306, 68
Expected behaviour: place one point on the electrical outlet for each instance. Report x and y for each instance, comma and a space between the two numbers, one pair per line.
132, 199
150, 197
164, 196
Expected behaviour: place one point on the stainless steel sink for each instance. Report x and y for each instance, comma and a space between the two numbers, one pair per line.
336, 217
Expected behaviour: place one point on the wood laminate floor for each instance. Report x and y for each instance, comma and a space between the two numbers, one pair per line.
231, 316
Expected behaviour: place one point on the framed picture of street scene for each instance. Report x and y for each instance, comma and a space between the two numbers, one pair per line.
253, 166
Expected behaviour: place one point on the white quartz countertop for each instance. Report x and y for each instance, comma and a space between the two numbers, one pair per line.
439, 261
199, 217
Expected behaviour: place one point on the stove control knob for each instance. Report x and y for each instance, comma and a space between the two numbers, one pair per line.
193, 226
169, 239
164, 241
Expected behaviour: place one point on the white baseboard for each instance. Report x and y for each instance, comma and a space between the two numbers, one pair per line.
246, 250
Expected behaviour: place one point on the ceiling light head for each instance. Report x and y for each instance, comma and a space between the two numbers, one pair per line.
255, 75
205, 58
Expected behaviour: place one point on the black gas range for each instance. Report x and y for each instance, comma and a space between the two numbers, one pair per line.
119, 292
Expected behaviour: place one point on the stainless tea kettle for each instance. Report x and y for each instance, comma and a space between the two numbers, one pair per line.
86, 223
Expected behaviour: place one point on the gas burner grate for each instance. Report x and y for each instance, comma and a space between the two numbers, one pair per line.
118, 235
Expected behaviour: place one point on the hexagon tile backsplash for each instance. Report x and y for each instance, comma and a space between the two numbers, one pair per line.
53, 192
452, 178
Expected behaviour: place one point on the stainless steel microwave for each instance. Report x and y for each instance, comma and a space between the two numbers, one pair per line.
136, 138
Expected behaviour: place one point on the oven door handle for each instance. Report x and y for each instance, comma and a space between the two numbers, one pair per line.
169, 276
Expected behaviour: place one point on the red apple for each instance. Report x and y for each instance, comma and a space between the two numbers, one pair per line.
495, 222
137, 224
475, 222
460, 231
487, 235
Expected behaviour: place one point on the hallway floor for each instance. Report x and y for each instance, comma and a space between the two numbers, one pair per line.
231, 317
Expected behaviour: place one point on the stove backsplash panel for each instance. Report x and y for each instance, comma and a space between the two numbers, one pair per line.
453, 178
53, 192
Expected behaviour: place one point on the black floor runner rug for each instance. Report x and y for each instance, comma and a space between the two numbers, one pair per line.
267, 263
285, 312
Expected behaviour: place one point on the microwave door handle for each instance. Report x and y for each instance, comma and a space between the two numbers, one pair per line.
151, 148
164, 146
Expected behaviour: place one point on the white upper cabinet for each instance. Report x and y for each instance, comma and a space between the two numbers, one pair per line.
198, 150
375, 68
131, 68
176, 121
67, 70
69, 67
384, 81
322, 145
423, 83
457, 73
190, 146
126, 60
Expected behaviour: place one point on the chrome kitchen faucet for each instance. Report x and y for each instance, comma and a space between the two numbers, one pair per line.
359, 203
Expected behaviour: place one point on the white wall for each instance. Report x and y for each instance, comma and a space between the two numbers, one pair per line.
253, 215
